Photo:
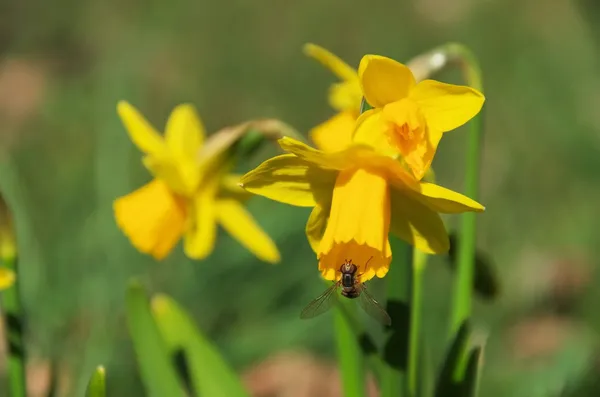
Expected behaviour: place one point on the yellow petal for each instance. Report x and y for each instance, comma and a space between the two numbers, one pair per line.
7, 278
200, 237
333, 161
181, 175
317, 221
330, 61
371, 128
142, 134
152, 217
420, 159
335, 134
446, 106
358, 225
384, 80
291, 180
417, 224
346, 96
184, 132
444, 200
241, 225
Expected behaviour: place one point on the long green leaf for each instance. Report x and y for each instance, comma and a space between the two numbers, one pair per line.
97, 384
210, 375
158, 374
449, 380
471, 381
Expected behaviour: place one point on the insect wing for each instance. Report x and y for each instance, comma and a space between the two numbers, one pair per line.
373, 309
321, 304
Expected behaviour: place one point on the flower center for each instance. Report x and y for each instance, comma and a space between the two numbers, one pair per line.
405, 125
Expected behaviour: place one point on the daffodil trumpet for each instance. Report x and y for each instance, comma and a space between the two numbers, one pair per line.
191, 191
358, 196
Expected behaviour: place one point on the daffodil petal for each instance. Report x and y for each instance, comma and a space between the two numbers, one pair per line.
332, 161
335, 134
291, 180
371, 131
141, 133
346, 96
184, 132
419, 160
446, 106
7, 278
317, 221
418, 224
200, 238
384, 80
331, 61
181, 175
152, 217
241, 225
446, 201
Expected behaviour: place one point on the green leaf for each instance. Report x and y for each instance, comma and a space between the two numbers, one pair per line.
97, 385
158, 374
471, 381
460, 373
210, 375
449, 380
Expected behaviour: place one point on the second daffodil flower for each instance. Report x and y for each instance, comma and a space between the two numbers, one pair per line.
408, 119
345, 96
188, 196
359, 196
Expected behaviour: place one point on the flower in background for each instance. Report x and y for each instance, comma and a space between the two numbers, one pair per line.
189, 194
345, 97
8, 246
359, 196
408, 119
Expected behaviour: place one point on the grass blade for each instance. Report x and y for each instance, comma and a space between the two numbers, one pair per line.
158, 374
97, 384
449, 383
471, 381
210, 375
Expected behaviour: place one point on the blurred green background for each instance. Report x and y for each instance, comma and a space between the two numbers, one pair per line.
65, 157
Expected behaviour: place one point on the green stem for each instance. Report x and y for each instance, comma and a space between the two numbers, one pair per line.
461, 305
13, 318
419, 261
350, 357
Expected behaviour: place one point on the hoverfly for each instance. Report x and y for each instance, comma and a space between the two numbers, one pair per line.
352, 288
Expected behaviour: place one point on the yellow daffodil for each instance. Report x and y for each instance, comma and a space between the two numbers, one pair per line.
345, 97
359, 196
188, 196
408, 119
7, 278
